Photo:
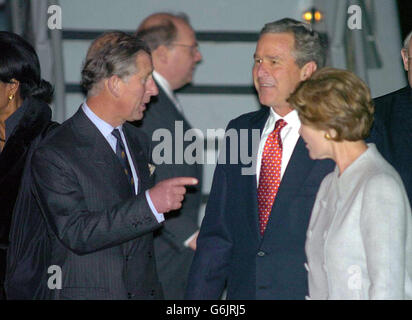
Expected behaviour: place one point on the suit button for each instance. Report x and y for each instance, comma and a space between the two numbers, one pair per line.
152, 293
149, 254
129, 295
261, 254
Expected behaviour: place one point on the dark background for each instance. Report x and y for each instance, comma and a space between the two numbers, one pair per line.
405, 16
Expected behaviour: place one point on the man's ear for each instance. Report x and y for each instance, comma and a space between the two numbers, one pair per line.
307, 70
114, 86
404, 55
161, 54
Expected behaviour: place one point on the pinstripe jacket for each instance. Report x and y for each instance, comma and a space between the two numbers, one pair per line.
100, 233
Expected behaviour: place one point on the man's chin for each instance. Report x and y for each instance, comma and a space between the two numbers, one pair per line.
138, 116
264, 101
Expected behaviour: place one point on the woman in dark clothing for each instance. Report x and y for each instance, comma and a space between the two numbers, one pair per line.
24, 116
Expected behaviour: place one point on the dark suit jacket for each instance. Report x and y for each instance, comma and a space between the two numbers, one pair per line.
392, 132
230, 249
100, 233
172, 257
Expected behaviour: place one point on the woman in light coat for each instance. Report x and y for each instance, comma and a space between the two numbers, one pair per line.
359, 240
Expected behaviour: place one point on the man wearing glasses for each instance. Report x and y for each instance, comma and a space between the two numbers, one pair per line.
175, 55
392, 131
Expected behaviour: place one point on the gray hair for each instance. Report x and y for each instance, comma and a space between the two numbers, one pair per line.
163, 31
407, 42
308, 44
113, 53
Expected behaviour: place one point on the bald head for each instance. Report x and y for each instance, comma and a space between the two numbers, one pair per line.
173, 44
161, 29
161, 18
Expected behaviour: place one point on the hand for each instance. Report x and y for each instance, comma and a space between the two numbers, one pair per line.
167, 195
192, 243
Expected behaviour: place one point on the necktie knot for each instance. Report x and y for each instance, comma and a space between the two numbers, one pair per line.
280, 124
116, 133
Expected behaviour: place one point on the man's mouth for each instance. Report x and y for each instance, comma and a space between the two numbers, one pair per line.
266, 83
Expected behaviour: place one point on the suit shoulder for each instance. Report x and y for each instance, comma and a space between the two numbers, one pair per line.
59, 136
388, 101
243, 121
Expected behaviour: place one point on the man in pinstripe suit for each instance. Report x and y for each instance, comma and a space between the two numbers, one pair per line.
93, 183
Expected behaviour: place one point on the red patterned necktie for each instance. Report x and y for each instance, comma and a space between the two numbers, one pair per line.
269, 178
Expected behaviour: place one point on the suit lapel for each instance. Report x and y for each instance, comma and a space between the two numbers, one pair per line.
141, 165
94, 147
139, 159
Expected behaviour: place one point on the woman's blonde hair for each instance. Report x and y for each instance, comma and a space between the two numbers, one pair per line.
335, 99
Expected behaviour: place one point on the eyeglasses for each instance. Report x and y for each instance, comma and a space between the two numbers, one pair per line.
193, 48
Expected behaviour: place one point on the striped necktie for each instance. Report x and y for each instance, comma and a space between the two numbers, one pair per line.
121, 155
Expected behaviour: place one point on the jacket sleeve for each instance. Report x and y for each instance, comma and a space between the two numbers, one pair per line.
385, 221
64, 207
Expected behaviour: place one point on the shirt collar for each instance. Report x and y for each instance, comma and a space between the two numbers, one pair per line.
163, 83
292, 118
104, 127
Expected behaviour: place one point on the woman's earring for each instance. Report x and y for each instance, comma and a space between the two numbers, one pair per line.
11, 97
327, 136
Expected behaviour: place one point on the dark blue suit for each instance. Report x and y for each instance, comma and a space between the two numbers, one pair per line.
230, 249
392, 132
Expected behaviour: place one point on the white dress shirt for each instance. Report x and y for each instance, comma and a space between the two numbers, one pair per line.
289, 136
106, 130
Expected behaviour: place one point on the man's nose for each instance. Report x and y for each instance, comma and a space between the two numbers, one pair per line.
152, 88
261, 70
198, 55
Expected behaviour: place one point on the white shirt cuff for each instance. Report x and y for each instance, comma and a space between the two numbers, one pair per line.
159, 216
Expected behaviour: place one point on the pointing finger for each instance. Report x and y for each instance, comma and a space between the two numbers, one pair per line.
183, 181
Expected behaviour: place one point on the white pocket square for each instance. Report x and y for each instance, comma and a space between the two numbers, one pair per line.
152, 168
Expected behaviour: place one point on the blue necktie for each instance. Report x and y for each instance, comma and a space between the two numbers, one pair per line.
121, 154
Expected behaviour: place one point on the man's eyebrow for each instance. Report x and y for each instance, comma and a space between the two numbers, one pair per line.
268, 57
